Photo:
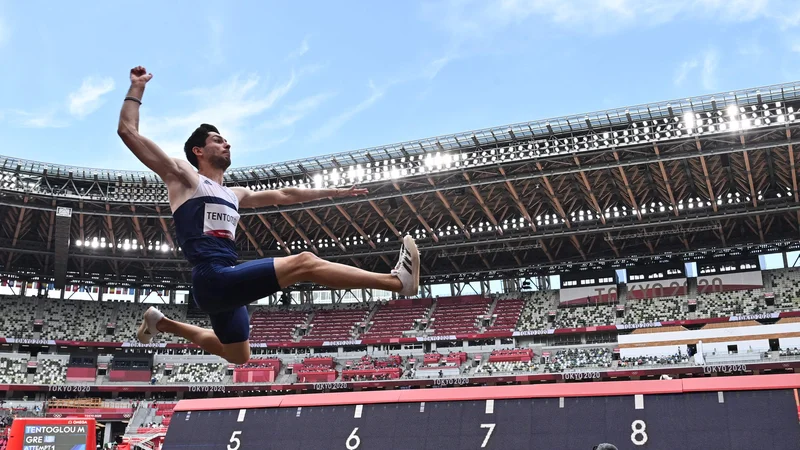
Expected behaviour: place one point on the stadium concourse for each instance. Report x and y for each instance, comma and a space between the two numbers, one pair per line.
655, 242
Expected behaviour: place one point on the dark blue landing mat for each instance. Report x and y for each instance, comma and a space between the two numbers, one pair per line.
702, 421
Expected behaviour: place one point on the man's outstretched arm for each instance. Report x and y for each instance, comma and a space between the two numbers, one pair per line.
128, 129
290, 196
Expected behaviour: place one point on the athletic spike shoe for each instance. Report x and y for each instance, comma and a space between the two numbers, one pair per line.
147, 330
407, 268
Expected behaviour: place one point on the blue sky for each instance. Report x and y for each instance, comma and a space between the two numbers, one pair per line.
288, 81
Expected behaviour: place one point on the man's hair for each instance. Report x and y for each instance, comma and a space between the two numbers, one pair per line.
197, 139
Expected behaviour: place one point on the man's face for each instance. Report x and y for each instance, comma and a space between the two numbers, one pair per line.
217, 151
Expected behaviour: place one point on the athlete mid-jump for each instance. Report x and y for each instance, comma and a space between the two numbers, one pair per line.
206, 215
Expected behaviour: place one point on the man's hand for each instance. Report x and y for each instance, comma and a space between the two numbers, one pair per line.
140, 76
352, 192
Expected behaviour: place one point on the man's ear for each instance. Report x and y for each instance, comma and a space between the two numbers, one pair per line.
197, 150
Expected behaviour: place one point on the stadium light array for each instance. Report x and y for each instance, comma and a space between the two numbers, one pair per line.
690, 123
124, 244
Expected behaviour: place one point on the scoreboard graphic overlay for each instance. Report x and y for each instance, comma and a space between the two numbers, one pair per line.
52, 434
721, 413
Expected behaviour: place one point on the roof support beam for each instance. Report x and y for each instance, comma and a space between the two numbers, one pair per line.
112, 237
485, 262
552, 194
167, 234
753, 196
793, 171
450, 211
251, 238
561, 211
760, 230
357, 227
524, 211
482, 203
413, 209
51, 227
16, 233
361, 232
627, 185
666, 181
595, 205
385, 220
748, 169
138, 229
327, 230
709, 187
792, 168
80, 223
299, 231
274, 234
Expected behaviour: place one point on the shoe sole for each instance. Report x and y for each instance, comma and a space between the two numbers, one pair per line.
140, 335
411, 247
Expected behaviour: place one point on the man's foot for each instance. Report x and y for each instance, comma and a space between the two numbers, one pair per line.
407, 268
147, 330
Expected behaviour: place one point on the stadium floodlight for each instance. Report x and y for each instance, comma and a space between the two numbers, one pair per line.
689, 120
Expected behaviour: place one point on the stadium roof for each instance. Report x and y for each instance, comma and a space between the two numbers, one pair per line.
675, 177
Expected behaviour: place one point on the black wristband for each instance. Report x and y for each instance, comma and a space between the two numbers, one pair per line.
133, 99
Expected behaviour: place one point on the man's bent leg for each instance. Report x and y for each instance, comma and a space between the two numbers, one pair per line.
229, 339
307, 266
206, 339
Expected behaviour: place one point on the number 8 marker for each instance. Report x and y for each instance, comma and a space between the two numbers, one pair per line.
639, 436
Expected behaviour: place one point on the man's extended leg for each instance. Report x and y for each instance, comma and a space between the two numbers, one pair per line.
154, 322
307, 266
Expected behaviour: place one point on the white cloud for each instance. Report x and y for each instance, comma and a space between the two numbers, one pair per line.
300, 51
436, 66
231, 106
474, 19
40, 119
88, 98
297, 111
707, 63
736, 10
428, 72
334, 123
709, 73
683, 71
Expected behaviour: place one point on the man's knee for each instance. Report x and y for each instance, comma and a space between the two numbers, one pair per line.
237, 354
306, 262
238, 359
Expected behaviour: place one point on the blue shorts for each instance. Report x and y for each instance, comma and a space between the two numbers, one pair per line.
224, 291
